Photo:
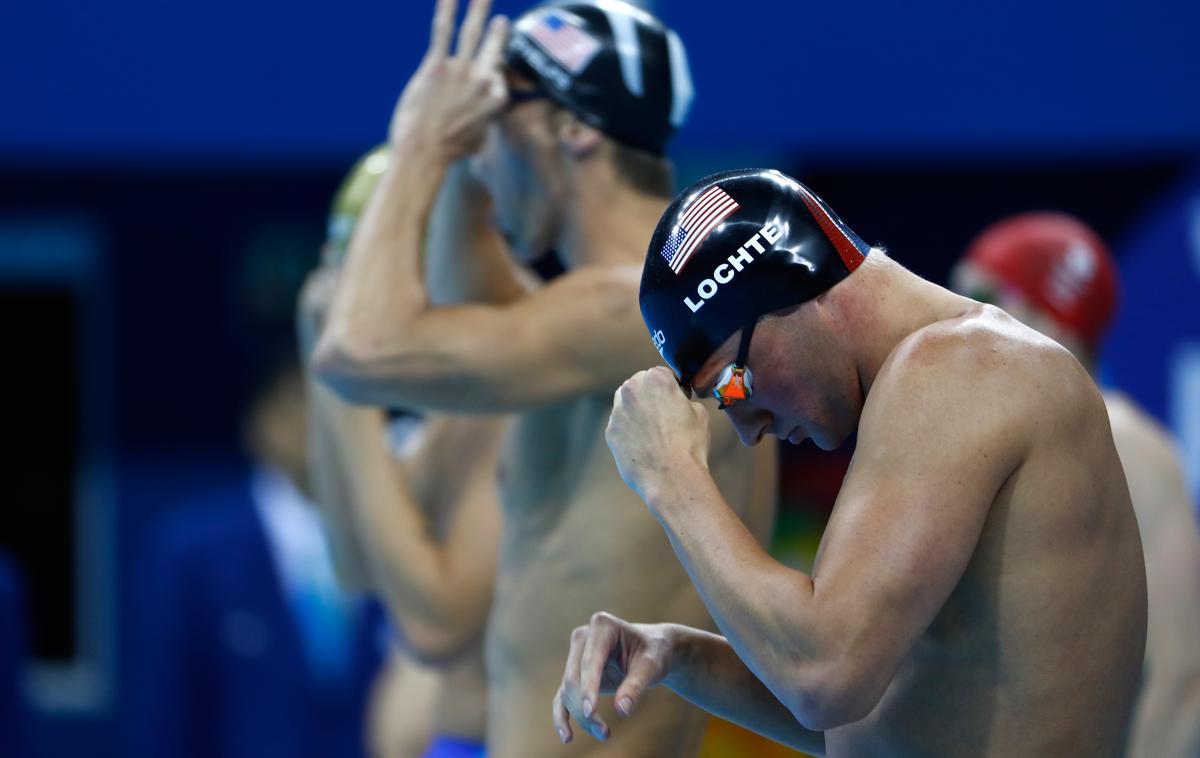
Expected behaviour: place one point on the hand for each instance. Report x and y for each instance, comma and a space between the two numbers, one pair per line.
609, 655
654, 428
313, 306
449, 100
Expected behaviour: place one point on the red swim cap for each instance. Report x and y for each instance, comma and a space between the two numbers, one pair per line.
1058, 263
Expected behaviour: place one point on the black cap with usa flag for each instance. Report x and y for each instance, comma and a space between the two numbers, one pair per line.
732, 248
612, 64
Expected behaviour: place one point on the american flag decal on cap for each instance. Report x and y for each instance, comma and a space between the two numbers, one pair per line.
705, 214
571, 47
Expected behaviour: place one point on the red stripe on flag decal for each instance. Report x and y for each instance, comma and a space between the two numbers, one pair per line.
849, 252
711, 196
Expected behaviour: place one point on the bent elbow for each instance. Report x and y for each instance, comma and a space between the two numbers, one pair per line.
435, 648
835, 698
340, 365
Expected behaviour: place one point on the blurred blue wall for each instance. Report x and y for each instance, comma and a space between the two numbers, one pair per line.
270, 80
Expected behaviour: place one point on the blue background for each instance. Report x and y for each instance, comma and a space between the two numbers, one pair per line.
269, 80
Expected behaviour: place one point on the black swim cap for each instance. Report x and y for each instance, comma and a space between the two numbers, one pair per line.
613, 65
732, 248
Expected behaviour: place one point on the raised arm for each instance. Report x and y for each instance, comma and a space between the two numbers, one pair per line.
436, 582
386, 344
580, 334
905, 525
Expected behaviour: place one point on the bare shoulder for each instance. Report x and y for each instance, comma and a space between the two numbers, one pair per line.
982, 350
984, 369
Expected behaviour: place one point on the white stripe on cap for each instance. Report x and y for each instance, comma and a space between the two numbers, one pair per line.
682, 91
624, 29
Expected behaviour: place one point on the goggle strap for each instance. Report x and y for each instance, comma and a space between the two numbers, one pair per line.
744, 345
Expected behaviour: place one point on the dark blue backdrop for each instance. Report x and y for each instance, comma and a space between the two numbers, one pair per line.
271, 80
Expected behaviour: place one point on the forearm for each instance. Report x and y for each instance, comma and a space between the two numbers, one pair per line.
467, 260
332, 497
707, 672
414, 573
765, 609
381, 289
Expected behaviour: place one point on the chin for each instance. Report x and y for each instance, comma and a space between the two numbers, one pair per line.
828, 440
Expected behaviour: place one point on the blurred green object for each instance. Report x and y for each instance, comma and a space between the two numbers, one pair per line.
350, 200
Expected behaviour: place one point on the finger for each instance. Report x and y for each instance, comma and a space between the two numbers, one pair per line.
570, 684
601, 641
562, 719
492, 48
642, 672
571, 699
443, 27
472, 28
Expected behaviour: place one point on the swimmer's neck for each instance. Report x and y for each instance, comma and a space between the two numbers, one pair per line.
887, 304
606, 222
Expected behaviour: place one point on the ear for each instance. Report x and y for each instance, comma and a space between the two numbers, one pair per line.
580, 139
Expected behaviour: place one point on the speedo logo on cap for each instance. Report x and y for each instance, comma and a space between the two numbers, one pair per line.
704, 215
733, 265
660, 342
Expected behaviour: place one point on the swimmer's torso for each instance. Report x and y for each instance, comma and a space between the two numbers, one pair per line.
577, 540
1037, 651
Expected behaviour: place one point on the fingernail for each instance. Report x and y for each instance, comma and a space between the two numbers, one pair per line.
587, 708
562, 735
625, 705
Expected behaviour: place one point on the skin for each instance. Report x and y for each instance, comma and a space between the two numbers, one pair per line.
1167, 715
420, 525
979, 589
573, 535
403, 707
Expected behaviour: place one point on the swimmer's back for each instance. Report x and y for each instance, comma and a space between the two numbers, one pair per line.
1038, 648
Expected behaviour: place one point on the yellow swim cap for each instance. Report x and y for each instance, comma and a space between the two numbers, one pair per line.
351, 199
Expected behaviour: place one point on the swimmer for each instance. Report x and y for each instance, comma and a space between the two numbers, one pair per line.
979, 589
414, 509
1052, 272
565, 121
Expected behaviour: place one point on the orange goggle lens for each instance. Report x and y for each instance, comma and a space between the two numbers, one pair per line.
736, 383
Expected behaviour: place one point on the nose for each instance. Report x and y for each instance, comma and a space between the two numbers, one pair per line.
749, 423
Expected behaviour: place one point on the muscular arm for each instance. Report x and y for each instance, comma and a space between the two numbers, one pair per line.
437, 589
386, 344
708, 673
904, 528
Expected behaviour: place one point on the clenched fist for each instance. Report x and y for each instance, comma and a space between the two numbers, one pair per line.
655, 430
